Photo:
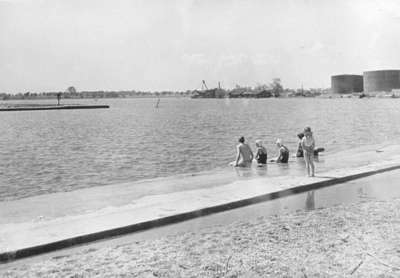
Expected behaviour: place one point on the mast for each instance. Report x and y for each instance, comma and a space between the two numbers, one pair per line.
203, 85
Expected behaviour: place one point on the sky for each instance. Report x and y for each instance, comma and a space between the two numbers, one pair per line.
153, 45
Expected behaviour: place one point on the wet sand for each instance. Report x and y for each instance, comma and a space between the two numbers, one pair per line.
333, 242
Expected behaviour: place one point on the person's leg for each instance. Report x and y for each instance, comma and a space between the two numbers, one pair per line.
311, 162
244, 164
307, 160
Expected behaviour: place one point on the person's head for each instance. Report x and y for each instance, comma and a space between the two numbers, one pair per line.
258, 143
279, 142
241, 139
307, 131
300, 135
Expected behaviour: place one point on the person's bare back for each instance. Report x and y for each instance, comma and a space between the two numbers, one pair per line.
247, 154
244, 154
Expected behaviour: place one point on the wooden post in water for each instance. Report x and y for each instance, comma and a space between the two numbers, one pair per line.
58, 99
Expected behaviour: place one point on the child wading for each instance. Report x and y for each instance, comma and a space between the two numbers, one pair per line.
308, 145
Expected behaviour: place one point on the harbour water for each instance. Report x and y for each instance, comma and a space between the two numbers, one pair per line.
52, 151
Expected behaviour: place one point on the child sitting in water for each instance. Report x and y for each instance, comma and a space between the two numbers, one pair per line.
299, 152
261, 154
283, 155
308, 145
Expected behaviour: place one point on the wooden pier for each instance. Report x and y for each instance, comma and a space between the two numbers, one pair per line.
50, 107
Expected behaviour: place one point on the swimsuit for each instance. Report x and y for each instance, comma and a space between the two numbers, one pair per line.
284, 155
261, 157
299, 151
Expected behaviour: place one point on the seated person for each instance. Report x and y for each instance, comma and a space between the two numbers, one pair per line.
300, 152
244, 155
261, 155
283, 156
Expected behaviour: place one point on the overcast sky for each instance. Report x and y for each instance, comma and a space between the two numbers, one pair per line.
48, 45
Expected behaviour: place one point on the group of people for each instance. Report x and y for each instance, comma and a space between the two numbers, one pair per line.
306, 148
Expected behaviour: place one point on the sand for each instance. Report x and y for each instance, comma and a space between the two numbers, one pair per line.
357, 240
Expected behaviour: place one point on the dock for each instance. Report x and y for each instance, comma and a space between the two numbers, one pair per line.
52, 107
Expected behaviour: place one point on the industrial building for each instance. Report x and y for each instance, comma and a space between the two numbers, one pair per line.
381, 80
346, 83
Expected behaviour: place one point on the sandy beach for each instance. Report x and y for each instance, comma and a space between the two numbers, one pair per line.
358, 240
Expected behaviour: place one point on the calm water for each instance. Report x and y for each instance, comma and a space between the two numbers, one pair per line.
50, 151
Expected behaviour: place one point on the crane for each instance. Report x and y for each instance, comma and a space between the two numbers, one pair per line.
203, 85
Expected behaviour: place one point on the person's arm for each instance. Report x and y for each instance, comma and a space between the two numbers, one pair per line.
251, 154
302, 143
276, 159
281, 150
313, 144
304, 146
237, 155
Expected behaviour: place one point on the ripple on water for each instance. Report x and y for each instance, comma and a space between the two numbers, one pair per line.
51, 151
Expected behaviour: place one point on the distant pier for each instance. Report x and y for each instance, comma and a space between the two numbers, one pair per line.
51, 107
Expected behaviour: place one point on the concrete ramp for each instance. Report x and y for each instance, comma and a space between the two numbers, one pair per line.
45, 223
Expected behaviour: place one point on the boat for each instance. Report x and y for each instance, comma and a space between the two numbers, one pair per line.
209, 93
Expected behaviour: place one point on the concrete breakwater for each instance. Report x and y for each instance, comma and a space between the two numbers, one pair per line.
54, 107
21, 236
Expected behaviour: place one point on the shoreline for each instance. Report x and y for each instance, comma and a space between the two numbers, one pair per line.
220, 174
285, 95
101, 215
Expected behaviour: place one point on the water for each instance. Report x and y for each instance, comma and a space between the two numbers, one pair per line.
51, 151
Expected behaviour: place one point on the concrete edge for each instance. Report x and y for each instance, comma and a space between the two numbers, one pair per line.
53, 246
55, 107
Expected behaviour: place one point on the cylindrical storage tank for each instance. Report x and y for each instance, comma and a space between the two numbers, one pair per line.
347, 83
381, 80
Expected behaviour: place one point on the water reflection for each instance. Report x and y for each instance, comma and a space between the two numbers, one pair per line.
272, 170
361, 193
310, 200
261, 170
254, 171
243, 172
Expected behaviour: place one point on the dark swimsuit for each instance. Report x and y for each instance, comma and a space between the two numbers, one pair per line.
261, 157
284, 156
300, 151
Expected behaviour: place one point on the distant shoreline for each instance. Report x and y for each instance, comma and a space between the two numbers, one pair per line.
150, 95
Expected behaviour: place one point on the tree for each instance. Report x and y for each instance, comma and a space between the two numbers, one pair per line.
71, 90
276, 86
261, 87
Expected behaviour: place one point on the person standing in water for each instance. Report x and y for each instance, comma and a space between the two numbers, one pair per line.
283, 155
308, 145
244, 155
261, 155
